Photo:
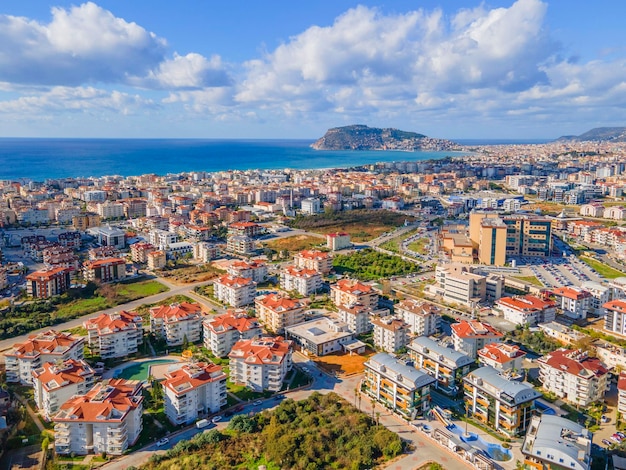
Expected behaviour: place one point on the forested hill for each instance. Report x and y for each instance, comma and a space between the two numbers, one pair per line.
610, 134
360, 137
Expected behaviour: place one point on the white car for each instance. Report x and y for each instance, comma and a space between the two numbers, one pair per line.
257, 403
163, 441
216, 419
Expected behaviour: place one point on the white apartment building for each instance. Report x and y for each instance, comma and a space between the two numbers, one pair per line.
55, 383
193, 391
390, 334
458, 283
526, 309
261, 364
176, 322
470, 336
234, 291
221, 332
116, 334
162, 239
241, 244
575, 302
574, 376
421, 317
255, 270
105, 420
338, 241
621, 394
316, 260
110, 210
347, 292
302, 280
279, 311
357, 317
600, 294
398, 386
48, 346
311, 206
615, 316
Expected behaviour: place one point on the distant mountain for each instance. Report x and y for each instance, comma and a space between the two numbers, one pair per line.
611, 134
360, 137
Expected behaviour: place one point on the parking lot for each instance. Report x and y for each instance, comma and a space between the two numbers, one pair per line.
558, 272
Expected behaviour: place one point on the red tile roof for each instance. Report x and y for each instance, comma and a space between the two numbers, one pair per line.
475, 329
46, 274
618, 305
234, 281
113, 322
300, 272
279, 302
261, 351
231, 320
47, 342
107, 401
526, 303
501, 353
176, 312
571, 293
192, 376
313, 254
574, 362
352, 287
53, 376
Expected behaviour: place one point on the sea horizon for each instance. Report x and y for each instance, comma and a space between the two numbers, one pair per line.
42, 158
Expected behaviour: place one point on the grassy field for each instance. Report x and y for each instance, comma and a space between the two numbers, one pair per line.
603, 269
394, 243
530, 280
295, 243
122, 293
419, 246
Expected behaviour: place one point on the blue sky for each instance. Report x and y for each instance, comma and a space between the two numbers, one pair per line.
283, 69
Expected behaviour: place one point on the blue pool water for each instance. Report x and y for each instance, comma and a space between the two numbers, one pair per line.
494, 451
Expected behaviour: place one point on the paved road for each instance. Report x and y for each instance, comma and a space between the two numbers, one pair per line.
174, 290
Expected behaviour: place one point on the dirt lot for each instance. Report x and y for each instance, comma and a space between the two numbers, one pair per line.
295, 243
343, 363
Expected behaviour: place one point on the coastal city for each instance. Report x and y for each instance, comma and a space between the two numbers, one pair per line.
471, 309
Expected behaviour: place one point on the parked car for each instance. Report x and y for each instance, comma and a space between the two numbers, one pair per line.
216, 419
606, 442
163, 441
257, 403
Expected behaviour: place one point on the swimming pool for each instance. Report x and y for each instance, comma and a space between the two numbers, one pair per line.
494, 451
140, 370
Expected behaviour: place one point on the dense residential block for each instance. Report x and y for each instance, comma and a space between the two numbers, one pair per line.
48, 282
573, 375
470, 336
116, 334
446, 365
192, 391
397, 386
422, 317
347, 292
107, 419
261, 364
526, 309
279, 311
316, 260
177, 322
390, 334
221, 332
255, 270
105, 270
505, 358
234, 291
504, 405
55, 383
49, 346
303, 281
553, 442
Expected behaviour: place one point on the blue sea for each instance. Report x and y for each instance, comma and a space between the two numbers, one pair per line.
40, 159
